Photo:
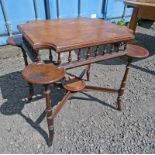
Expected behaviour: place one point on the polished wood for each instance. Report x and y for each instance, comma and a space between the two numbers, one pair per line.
42, 73
142, 8
135, 51
70, 34
74, 84
66, 36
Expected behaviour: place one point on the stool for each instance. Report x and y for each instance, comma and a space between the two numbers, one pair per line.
45, 74
132, 51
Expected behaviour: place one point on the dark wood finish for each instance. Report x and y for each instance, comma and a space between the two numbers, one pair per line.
50, 120
78, 54
59, 58
142, 8
69, 35
88, 72
50, 56
42, 73
69, 57
60, 34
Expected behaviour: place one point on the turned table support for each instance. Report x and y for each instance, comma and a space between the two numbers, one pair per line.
50, 119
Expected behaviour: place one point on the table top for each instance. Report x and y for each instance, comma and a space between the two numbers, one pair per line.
68, 34
150, 3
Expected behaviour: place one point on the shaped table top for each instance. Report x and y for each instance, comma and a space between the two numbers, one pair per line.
69, 34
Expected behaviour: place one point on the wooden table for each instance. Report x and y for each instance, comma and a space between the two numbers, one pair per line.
75, 34
142, 8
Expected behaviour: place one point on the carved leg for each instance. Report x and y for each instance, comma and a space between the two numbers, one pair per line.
123, 85
31, 91
88, 72
50, 119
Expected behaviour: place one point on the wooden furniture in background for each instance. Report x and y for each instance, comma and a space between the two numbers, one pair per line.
144, 9
18, 41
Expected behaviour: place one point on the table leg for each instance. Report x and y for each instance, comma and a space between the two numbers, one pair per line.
24, 56
50, 119
123, 85
134, 19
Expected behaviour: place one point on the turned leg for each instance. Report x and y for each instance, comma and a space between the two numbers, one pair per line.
50, 120
88, 72
123, 85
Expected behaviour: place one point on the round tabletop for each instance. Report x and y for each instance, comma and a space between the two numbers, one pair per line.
150, 3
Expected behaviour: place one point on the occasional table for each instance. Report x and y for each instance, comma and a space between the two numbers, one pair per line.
68, 36
142, 8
